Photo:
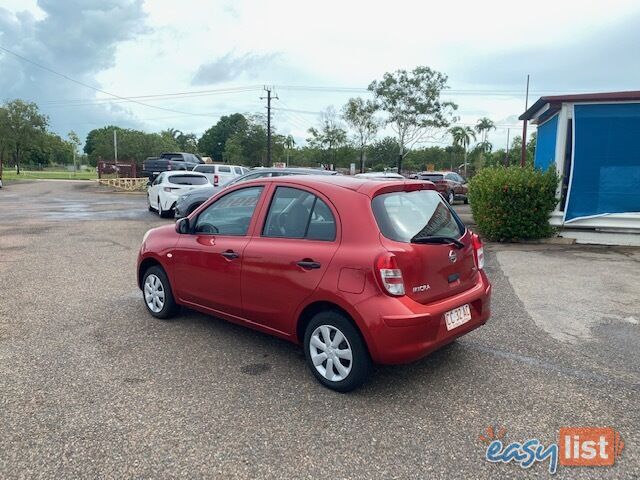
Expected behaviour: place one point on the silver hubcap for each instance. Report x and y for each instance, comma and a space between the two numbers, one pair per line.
451, 197
154, 293
330, 353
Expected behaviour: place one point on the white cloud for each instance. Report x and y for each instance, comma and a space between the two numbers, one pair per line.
487, 45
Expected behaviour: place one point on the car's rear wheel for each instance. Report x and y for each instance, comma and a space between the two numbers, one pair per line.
450, 197
157, 293
161, 212
335, 352
192, 208
466, 200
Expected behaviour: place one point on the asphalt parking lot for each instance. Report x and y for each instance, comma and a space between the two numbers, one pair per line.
92, 386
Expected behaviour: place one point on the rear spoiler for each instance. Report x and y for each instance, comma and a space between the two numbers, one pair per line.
408, 186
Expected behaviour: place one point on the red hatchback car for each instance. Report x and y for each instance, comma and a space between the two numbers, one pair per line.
355, 270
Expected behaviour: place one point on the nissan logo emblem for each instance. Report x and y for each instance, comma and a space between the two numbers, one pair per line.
452, 256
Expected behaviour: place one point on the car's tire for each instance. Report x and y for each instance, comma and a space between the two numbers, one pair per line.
163, 213
349, 351
466, 200
157, 294
451, 197
151, 209
192, 208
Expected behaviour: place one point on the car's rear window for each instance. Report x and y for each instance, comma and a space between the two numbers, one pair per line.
188, 180
402, 216
432, 177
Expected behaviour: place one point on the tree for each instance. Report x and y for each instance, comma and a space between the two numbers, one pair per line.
248, 144
413, 106
289, 143
213, 141
75, 142
329, 136
462, 137
133, 145
25, 126
360, 116
483, 127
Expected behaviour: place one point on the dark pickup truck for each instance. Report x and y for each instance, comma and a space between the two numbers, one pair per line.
152, 166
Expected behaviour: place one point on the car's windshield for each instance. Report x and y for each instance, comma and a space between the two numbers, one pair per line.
404, 216
432, 177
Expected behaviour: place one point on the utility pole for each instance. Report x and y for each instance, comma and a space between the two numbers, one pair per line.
523, 156
115, 146
269, 98
506, 157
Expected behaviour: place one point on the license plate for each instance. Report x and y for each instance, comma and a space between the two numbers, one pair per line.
458, 316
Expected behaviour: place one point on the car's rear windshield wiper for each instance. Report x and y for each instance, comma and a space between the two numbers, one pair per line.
438, 239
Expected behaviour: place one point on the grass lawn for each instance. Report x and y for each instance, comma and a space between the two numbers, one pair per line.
10, 174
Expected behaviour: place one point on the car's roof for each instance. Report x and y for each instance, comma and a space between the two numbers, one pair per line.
309, 171
379, 175
361, 185
191, 173
435, 173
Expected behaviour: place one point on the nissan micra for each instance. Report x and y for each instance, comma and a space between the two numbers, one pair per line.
357, 271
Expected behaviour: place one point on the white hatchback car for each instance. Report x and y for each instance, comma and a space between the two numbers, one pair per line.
168, 186
218, 174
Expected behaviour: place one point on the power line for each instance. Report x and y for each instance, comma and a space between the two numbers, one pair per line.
66, 77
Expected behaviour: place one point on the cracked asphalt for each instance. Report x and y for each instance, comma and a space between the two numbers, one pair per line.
91, 386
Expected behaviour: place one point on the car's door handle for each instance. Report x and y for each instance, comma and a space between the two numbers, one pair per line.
308, 264
230, 254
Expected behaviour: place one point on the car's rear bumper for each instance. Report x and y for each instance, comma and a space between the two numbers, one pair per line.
414, 330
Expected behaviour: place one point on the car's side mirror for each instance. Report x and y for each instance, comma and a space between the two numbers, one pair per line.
182, 225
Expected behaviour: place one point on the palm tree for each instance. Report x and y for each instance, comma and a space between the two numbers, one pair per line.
289, 143
483, 127
462, 137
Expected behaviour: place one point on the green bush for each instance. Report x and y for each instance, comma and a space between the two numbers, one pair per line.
513, 203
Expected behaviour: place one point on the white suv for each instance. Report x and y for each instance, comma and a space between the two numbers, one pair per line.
163, 192
220, 174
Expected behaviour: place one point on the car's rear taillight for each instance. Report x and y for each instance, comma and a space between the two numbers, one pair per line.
168, 166
478, 251
216, 179
390, 275
170, 189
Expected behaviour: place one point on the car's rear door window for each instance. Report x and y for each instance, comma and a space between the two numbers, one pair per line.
230, 214
237, 170
403, 216
224, 169
295, 213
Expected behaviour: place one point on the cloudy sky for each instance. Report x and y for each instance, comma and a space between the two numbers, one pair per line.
184, 64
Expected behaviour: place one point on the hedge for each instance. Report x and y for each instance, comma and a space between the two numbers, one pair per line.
513, 203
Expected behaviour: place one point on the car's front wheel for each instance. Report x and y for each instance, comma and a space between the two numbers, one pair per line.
335, 352
157, 293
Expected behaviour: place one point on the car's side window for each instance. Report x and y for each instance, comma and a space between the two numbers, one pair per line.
158, 179
230, 214
294, 213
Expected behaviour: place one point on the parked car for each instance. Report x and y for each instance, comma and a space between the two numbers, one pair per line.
220, 174
189, 201
384, 175
152, 166
300, 258
163, 192
451, 185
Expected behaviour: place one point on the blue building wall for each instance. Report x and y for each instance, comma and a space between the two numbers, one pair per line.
606, 163
545, 153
